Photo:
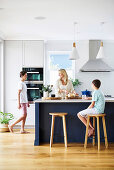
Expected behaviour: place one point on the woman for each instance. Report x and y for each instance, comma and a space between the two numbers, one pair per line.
22, 102
63, 85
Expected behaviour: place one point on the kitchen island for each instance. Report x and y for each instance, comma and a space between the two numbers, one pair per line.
75, 128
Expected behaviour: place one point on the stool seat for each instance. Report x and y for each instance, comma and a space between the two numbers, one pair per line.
58, 114
97, 116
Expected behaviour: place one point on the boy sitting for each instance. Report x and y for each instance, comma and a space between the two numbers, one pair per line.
96, 107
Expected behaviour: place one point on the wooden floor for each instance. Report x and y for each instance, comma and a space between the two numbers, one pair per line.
17, 152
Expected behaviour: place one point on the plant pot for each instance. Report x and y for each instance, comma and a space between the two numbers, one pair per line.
45, 94
4, 128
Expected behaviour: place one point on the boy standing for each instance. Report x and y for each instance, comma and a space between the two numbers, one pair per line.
96, 107
22, 102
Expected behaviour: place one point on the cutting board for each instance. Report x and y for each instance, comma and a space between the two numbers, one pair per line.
51, 98
74, 97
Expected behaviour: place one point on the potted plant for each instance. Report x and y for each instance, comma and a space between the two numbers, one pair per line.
46, 90
4, 121
76, 82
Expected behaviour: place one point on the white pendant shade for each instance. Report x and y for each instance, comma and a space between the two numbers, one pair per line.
101, 52
74, 54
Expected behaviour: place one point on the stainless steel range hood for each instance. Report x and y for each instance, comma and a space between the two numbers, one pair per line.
93, 64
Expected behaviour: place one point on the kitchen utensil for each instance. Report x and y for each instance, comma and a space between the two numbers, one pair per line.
51, 98
86, 92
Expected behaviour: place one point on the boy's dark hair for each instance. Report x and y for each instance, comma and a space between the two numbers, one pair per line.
22, 73
97, 83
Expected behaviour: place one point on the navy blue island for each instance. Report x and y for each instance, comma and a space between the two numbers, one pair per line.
75, 129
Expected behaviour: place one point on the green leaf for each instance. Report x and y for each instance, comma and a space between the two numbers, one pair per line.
47, 88
5, 117
76, 82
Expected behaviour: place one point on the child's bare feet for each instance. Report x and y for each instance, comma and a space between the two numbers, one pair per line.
23, 131
90, 132
10, 128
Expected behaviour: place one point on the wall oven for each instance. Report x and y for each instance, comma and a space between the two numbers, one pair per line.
34, 82
34, 74
33, 91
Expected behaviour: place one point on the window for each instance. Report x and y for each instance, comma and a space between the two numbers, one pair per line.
59, 60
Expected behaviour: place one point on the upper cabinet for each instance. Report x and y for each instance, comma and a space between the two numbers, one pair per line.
33, 53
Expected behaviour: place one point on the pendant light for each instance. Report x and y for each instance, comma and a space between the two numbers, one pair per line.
74, 54
101, 50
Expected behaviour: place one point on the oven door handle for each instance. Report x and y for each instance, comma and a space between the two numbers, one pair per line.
33, 82
32, 72
32, 88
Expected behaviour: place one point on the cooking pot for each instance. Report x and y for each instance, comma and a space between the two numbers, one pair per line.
86, 92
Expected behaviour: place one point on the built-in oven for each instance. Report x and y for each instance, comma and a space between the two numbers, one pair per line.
33, 91
34, 74
34, 82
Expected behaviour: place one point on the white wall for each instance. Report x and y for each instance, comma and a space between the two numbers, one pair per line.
1, 75
107, 79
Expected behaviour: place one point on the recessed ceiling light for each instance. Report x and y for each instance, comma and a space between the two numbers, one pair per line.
40, 18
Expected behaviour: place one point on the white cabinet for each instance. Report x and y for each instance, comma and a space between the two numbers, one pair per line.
33, 53
13, 65
12, 108
30, 115
19, 54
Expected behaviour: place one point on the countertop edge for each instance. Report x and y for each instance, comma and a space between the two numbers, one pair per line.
70, 101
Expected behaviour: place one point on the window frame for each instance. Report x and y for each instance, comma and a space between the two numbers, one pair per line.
59, 52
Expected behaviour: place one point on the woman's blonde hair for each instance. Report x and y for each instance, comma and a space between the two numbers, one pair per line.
63, 71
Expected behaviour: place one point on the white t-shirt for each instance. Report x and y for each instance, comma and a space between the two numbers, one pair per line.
23, 95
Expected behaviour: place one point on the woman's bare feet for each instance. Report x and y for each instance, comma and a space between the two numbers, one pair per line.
10, 128
23, 131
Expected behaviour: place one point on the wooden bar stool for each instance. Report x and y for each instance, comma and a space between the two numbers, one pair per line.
98, 129
64, 126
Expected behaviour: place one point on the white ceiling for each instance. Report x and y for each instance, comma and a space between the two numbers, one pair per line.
17, 19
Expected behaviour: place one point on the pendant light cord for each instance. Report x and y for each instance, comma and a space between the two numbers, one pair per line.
74, 32
75, 24
101, 27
